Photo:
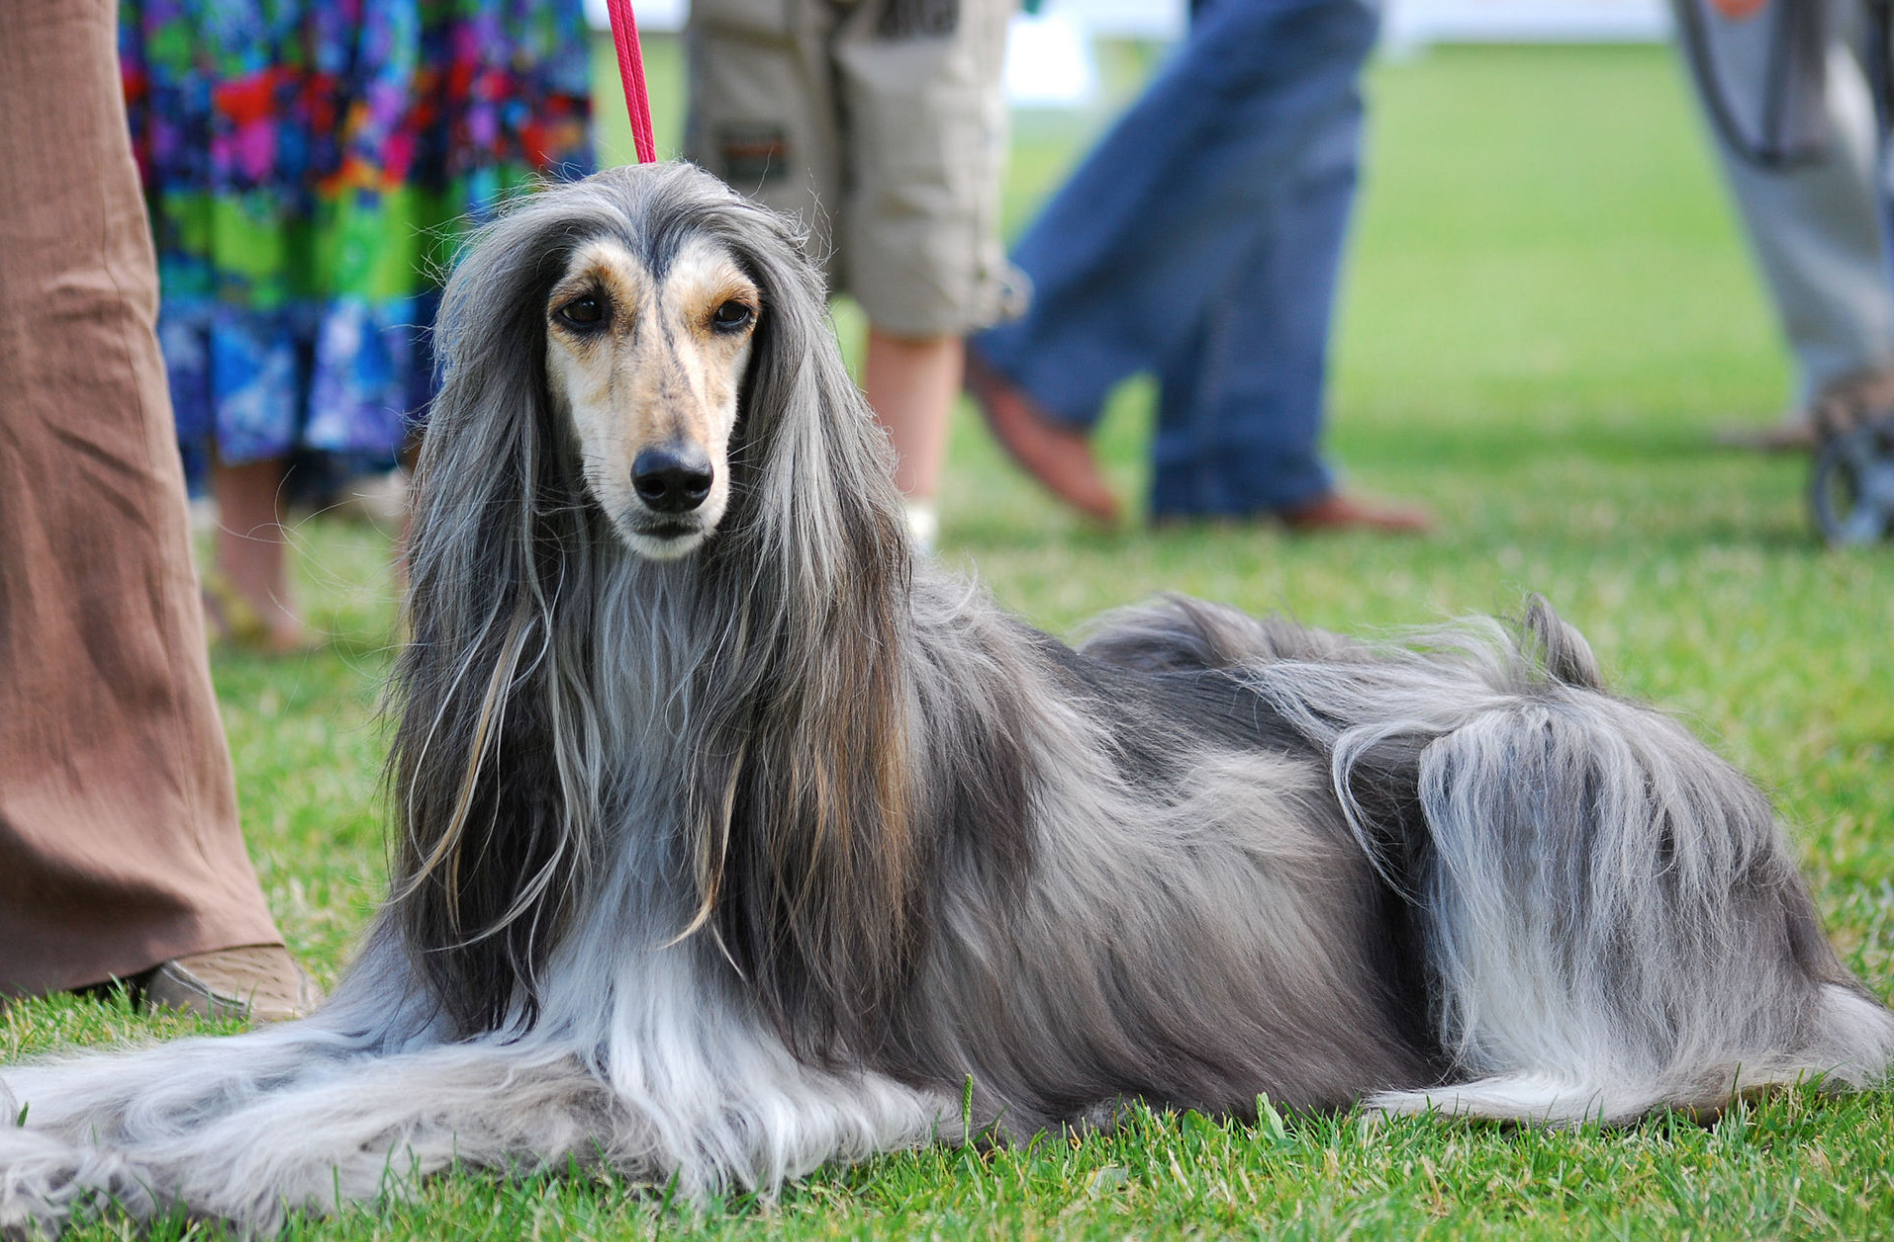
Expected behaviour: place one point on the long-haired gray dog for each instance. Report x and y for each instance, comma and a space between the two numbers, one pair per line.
731, 841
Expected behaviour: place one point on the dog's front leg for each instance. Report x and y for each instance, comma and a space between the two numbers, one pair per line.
351, 1131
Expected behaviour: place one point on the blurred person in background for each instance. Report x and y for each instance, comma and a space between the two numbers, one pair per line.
882, 125
304, 164
120, 852
1785, 86
1201, 240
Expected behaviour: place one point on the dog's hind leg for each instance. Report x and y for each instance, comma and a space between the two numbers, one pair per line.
1852, 1044
1616, 924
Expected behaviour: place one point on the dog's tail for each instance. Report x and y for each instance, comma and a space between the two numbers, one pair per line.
1614, 921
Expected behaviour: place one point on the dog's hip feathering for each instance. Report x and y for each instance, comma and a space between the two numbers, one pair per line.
731, 841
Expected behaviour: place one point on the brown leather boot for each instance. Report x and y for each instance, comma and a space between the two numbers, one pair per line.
261, 982
1059, 457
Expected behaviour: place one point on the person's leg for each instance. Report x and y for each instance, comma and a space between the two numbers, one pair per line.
119, 841
1812, 226
1242, 408
1243, 402
1214, 262
912, 385
252, 555
1126, 258
924, 128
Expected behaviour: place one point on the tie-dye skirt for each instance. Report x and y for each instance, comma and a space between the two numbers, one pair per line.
309, 165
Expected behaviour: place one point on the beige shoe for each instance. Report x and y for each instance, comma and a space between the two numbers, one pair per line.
1837, 409
1853, 402
261, 982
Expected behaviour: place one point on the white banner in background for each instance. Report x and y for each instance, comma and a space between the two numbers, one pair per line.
652, 15
1411, 22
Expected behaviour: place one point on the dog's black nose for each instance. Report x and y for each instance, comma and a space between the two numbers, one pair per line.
674, 479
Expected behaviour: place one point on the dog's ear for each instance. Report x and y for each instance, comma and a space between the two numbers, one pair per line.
488, 805
806, 861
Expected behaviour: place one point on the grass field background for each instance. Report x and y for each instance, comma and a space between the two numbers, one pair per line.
1547, 310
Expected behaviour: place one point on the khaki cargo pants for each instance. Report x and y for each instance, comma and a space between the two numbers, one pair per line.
882, 125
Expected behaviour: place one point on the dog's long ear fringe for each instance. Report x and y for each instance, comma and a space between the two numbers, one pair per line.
805, 860
490, 805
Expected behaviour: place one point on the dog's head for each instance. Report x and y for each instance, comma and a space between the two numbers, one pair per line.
646, 355
657, 338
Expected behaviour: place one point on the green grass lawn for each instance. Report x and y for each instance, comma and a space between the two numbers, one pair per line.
1547, 311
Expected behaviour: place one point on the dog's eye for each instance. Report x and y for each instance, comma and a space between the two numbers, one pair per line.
732, 316
583, 312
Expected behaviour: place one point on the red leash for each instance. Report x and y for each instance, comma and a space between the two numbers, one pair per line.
631, 72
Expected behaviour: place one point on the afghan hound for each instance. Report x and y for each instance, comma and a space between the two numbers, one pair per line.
732, 840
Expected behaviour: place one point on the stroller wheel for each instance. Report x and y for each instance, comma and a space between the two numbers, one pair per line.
1852, 491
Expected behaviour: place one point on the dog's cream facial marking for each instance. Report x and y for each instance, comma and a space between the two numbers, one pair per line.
649, 366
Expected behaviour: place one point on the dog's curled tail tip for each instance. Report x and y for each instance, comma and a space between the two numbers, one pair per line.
1561, 650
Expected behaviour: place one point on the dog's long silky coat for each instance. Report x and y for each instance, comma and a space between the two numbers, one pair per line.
732, 841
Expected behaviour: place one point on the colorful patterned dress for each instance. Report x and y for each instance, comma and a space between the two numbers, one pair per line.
308, 165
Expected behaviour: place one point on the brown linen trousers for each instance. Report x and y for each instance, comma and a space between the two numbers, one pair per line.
119, 841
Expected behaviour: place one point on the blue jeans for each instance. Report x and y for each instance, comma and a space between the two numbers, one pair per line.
1201, 240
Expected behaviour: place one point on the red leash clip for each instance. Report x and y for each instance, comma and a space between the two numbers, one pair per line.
631, 72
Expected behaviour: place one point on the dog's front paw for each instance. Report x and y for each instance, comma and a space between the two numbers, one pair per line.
44, 1180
